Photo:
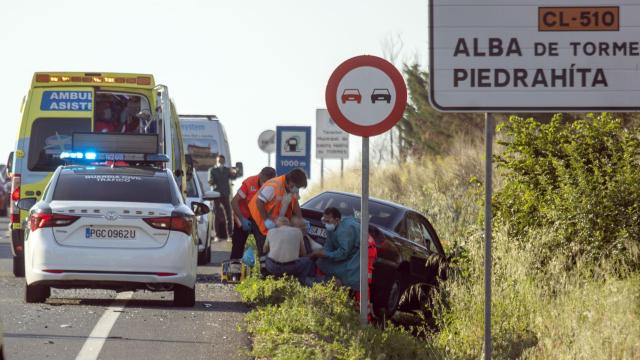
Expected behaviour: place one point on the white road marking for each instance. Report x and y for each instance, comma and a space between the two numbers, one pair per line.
91, 348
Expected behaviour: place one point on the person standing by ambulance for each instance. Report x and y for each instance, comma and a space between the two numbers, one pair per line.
278, 197
220, 180
240, 205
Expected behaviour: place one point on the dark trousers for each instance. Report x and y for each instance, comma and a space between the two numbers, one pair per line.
260, 238
238, 242
225, 209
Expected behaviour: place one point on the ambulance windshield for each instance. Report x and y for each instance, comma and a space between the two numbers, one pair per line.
49, 138
120, 112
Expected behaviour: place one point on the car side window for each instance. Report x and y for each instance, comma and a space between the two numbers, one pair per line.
414, 230
426, 235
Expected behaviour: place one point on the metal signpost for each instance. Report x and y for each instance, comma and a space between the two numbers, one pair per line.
293, 149
526, 56
331, 141
267, 143
365, 96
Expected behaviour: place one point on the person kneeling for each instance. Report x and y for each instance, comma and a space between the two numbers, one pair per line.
285, 251
340, 257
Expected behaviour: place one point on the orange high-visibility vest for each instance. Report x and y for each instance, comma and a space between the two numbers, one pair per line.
273, 206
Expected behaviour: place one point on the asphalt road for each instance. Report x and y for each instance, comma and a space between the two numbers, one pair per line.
72, 324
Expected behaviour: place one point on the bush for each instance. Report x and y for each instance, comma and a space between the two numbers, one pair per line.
320, 322
579, 180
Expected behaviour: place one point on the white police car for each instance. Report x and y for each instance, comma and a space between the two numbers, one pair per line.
111, 227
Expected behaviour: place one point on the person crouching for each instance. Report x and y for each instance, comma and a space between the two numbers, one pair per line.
285, 251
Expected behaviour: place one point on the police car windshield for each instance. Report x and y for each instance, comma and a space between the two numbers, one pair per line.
106, 184
49, 138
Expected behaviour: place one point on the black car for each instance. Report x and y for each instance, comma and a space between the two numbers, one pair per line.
410, 254
380, 95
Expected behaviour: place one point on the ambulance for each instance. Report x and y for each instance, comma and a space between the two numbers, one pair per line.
60, 104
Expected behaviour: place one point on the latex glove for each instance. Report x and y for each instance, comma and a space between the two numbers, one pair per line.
308, 224
269, 224
246, 224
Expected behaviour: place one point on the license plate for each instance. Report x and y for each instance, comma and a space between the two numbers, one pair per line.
318, 231
109, 233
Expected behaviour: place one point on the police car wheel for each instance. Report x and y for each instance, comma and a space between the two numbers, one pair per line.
18, 265
184, 296
36, 293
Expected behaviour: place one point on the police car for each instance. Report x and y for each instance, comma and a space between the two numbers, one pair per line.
109, 224
196, 193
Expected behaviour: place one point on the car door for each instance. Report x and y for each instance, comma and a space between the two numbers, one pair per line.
419, 246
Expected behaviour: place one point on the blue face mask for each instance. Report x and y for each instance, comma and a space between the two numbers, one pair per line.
330, 227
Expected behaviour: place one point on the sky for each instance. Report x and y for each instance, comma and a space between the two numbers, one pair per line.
255, 64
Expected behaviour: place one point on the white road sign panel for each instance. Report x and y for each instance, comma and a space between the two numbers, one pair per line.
529, 55
331, 141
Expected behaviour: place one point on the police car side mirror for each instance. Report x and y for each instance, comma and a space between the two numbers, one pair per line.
26, 203
199, 208
210, 195
178, 172
239, 169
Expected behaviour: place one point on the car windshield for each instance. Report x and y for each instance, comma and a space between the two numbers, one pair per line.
49, 138
379, 214
112, 186
351, 92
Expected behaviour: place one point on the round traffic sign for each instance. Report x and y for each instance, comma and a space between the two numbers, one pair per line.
267, 141
366, 95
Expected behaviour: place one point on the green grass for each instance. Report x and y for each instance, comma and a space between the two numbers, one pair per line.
294, 322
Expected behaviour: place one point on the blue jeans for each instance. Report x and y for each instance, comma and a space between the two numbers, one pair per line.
301, 268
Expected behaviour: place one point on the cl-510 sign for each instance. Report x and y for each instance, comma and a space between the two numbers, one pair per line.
598, 18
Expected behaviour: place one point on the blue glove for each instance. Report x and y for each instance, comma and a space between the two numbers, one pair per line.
246, 224
269, 224
306, 222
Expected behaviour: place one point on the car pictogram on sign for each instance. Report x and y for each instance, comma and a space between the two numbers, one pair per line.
380, 95
351, 95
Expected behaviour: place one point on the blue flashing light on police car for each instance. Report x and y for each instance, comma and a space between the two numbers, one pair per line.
90, 155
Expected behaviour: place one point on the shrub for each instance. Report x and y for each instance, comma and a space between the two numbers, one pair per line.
579, 180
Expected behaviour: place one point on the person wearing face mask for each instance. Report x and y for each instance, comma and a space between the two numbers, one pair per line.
278, 197
220, 180
340, 256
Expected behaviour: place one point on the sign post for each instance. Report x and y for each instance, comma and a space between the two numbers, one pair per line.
331, 141
293, 149
526, 56
267, 143
365, 96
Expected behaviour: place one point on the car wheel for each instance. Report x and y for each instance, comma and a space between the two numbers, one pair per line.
18, 265
385, 302
184, 296
36, 293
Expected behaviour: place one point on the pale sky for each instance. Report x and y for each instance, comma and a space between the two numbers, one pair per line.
255, 64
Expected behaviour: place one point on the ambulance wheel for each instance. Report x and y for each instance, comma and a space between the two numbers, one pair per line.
184, 296
36, 293
18, 265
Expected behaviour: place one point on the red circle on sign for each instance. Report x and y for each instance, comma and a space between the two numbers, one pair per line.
332, 91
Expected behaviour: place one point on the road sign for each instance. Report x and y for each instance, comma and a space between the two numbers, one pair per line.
267, 141
293, 149
522, 55
366, 95
331, 141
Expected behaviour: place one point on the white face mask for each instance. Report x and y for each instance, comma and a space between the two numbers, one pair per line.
106, 114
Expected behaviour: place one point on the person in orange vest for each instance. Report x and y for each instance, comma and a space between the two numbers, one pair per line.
240, 206
278, 197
